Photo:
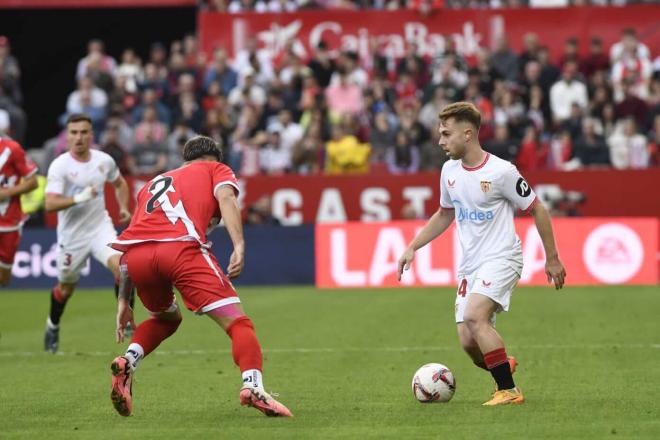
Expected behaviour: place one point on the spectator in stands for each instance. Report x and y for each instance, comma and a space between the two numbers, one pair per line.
175, 142
93, 96
549, 72
382, 137
634, 69
96, 55
188, 109
573, 125
150, 100
10, 68
247, 91
221, 72
504, 60
344, 96
597, 60
322, 65
566, 91
111, 144
153, 80
403, 157
654, 142
130, 69
148, 157
571, 53
503, 145
345, 154
274, 159
533, 153
307, 154
629, 45
560, 151
259, 60
124, 132
261, 213
290, 132
17, 117
530, 49
631, 105
628, 148
348, 64
591, 148
151, 127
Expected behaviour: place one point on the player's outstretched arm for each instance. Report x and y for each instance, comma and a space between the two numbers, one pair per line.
437, 224
554, 268
26, 185
57, 202
122, 193
231, 215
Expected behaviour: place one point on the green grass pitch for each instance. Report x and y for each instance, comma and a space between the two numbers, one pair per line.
343, 362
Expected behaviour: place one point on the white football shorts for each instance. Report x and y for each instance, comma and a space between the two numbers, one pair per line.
493, 279
73, 255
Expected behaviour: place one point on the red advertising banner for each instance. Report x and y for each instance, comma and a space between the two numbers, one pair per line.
334, 199
51, 4
311, 199
389, 31
594, 251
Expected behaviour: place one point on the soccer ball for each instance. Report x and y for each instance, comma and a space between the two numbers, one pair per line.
433, 383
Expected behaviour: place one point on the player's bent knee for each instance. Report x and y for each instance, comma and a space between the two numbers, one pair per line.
237, 323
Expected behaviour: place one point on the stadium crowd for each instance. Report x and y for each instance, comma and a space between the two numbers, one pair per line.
12, 116
285, 114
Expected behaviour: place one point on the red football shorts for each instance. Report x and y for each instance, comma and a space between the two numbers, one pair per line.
8, 246
156, 267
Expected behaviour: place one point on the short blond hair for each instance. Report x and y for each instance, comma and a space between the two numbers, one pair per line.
461, 112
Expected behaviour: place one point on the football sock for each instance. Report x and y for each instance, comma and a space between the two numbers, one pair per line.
134, 354
150, 333
498, 365
252, 378
131, 300
57, 304
245, 348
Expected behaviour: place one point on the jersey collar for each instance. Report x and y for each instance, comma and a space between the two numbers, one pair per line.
478, 167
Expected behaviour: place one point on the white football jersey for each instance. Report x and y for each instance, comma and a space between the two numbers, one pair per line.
484, 199
68, 176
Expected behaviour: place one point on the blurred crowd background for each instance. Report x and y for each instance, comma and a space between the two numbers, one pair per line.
289, 114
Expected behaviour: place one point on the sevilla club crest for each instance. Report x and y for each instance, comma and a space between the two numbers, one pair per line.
485, 186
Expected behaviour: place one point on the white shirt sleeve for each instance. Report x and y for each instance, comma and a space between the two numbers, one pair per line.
113, 170
515, 189
55, 179
445, 198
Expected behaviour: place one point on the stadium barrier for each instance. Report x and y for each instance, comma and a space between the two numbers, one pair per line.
274, 255
594, 251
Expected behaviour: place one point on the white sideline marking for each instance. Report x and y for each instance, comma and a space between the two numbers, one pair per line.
333, 350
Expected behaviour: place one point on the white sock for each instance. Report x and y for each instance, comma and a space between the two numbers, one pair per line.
50, 324
253, 379
134, 354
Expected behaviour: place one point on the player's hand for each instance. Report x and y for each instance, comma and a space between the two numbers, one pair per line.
85, 195
124, 316
236, 263
555, 271
124, 216
405, 261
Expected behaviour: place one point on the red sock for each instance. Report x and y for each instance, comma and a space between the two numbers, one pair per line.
150, 333
495, 358
57, 295
245, 346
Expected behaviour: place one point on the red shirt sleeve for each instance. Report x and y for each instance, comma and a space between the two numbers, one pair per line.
223, 175
25, 166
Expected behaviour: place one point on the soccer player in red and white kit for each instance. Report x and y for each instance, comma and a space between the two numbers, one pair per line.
165, 246
17, 176
481, 192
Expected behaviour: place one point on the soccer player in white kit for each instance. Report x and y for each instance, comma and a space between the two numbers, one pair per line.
481, 192
74, 188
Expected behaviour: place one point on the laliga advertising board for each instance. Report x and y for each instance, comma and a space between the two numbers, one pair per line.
594, 251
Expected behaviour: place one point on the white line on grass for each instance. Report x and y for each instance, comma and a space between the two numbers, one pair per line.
338, 350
